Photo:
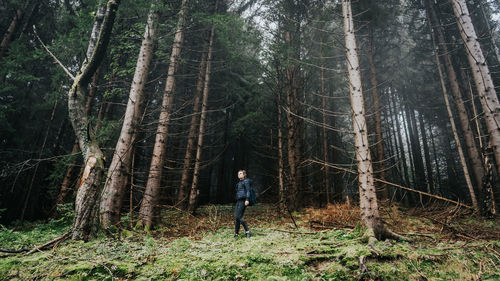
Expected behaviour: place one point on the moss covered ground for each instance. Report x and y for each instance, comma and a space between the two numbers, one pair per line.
203, 248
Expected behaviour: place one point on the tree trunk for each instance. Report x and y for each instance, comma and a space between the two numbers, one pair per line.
472, 151
418, 160
281, 182
370, 217
67, 183
88, 193
427, 155
482, 76
326, 168
438, 170
182, 197
294, 132
455, 133
382, 190
193, 195
150, 199
119, 170
7, 37
401, 145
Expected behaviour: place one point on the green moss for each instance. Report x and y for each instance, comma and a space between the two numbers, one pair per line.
268, 255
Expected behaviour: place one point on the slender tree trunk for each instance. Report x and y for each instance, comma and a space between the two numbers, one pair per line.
150, 199
182, 198
382, 190
427, 155
281, 183
370, 217
418, 161
434, 151
119, 170
406, 126
193, 195
455, 133
294, 132
401, 145
482, 76
326, 168
7, 37
88, 193
463, 118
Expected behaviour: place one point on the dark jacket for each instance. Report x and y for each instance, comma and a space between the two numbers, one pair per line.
243, 189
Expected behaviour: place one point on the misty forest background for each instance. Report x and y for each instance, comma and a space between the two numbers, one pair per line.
115, 113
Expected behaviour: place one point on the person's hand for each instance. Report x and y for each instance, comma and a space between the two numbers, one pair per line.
247, 203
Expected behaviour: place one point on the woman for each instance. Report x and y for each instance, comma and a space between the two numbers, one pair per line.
242, 201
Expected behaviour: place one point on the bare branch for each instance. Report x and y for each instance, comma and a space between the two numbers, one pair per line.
52, 55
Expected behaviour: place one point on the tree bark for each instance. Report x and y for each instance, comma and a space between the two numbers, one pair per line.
463, 118
88, 193
482, 76
293, 77
193, 195
326, 168
182, 197
370, 217
119, 170
150, 199
427, 155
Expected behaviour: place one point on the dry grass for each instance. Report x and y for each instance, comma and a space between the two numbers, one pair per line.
341, 215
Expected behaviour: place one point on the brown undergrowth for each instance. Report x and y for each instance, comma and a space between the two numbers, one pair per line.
443, 222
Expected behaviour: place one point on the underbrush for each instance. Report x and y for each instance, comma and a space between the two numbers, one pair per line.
203, 248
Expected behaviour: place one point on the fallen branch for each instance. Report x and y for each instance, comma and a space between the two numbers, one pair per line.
392, 184
50, 243
299, 232
8, 251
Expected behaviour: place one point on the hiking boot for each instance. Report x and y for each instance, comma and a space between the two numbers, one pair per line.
248, 234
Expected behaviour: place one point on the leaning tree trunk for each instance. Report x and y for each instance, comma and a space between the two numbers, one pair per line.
370, 216
89, 191
455, 133
482, 76
119, 170
193, 195
150, 199
463, 118
182, 196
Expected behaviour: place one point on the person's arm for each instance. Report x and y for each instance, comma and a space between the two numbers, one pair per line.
247, 191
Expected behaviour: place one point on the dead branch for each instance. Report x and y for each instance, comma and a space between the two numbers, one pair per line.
53, 56
50, 243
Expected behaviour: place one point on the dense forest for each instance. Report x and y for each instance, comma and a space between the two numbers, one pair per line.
135, 116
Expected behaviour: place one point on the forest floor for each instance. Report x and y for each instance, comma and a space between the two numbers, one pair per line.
322, 244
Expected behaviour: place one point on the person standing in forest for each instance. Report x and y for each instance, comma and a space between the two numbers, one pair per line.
242, 201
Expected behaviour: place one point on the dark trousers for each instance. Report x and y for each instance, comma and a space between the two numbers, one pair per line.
239, 210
